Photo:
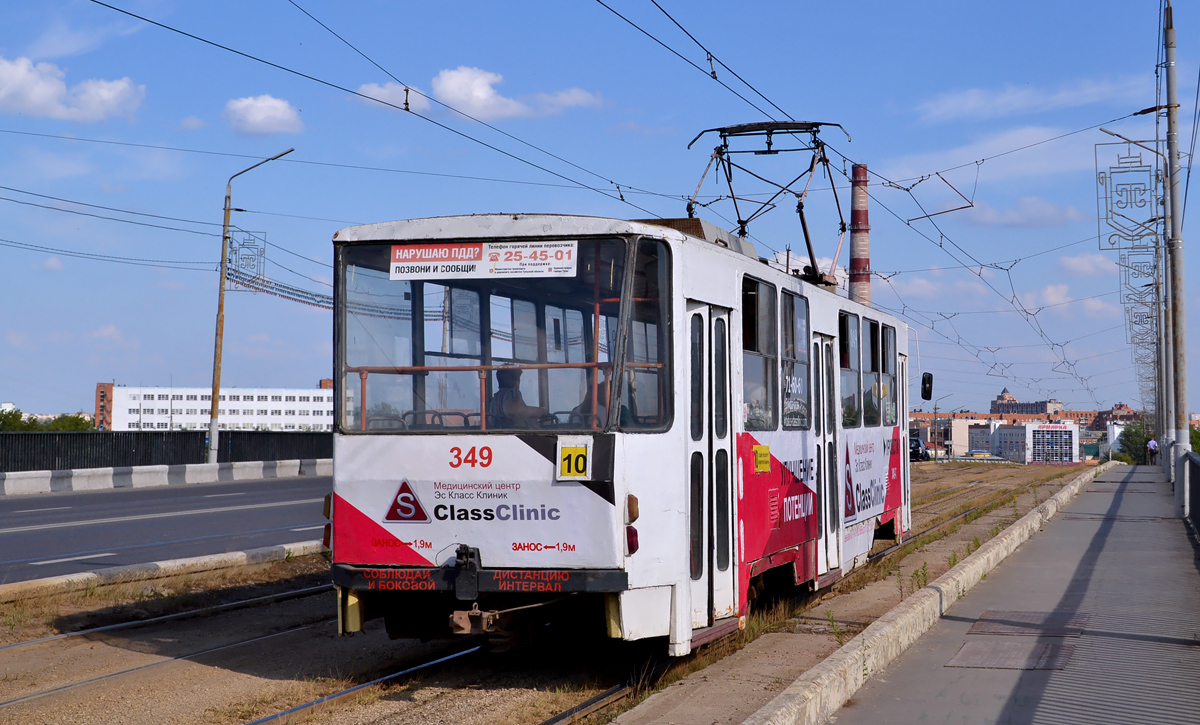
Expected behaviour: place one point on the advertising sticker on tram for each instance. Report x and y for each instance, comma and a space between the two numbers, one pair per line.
481, 260
869, 472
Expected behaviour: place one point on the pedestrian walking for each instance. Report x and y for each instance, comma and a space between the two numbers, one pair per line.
1152, 451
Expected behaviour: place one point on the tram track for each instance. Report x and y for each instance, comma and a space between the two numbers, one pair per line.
172, 660
186, 614
992, 502
308, 708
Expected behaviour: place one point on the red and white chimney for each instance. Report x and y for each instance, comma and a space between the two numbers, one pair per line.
860, 237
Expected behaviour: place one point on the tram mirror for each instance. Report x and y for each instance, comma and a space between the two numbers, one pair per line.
927, 386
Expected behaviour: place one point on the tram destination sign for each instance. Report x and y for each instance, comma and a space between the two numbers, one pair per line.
483, 260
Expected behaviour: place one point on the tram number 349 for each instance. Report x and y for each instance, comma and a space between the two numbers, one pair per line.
483, 458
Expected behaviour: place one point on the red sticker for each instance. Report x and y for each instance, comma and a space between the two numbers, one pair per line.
406, 507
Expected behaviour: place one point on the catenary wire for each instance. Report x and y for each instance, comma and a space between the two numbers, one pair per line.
683, 58
109, 218
1030, 318
718, 60
135, 261
466, 115
344, 89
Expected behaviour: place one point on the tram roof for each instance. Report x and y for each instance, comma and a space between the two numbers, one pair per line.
506, 226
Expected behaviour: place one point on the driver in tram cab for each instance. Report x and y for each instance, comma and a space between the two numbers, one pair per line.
507, 409
582, 412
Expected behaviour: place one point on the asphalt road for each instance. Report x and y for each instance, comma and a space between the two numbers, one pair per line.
62, 533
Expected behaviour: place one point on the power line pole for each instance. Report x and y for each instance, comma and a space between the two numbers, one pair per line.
1178, 297
213, 430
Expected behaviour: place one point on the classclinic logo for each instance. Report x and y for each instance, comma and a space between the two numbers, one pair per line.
406, 507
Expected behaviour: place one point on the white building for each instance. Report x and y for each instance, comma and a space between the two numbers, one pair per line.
982, 434
1038, 442
279, 409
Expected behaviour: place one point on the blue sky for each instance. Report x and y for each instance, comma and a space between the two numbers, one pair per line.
920, 88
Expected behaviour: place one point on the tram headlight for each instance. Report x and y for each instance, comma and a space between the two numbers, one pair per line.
631, 541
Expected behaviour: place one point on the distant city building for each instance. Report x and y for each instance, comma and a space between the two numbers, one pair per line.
1037, 443
7, 407
281, 409
1120, 413
1006, 402
982, 434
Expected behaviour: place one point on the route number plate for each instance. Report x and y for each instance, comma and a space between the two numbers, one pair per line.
574, 459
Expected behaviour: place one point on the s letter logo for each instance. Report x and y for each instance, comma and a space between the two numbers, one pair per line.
406, 507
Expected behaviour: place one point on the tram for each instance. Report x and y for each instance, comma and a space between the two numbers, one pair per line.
641, 421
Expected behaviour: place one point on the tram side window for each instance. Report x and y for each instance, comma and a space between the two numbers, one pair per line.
758, 356
848, 349
870, 373
889, 376
794, 324
646, 389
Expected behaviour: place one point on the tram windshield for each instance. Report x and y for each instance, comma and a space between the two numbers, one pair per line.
504, 336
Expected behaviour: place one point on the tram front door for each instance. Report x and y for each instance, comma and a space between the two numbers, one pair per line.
825, 412
710, 465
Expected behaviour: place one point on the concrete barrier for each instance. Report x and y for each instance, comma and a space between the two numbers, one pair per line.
820, 691
154, 570
95, 479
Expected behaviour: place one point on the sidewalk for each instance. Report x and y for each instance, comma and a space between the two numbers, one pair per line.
1115, 573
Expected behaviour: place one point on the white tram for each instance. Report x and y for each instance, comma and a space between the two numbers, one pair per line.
757, 424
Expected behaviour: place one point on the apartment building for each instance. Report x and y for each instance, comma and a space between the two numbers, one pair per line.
122, 408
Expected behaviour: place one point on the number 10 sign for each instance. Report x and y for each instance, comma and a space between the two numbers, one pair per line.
574, 459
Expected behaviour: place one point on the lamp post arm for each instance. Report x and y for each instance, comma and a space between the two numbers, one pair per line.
218, 344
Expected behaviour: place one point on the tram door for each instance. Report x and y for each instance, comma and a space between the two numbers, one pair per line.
825, 413
710, 466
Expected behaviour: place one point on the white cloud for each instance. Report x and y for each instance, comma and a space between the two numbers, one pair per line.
1051, 294
549, 104
393, 93
50, 264
1087, 265
917, 287
971, 288
263, 115
20, 341
192, 123
981, 103
108, 332
1029, 211
1101, 309
61, 40
1072, 154
470, 91
39, 90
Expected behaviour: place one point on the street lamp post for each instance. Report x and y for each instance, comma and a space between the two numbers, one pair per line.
935, 428
216, 381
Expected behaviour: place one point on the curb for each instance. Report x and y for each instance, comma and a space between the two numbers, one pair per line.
96, 479
155, 570
820, 691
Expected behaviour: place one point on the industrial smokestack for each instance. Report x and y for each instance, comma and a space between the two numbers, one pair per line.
860, 237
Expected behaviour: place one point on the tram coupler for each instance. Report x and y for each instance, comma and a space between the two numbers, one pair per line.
467, 563
474, 621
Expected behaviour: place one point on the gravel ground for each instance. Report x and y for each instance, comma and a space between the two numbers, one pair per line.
250, 680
